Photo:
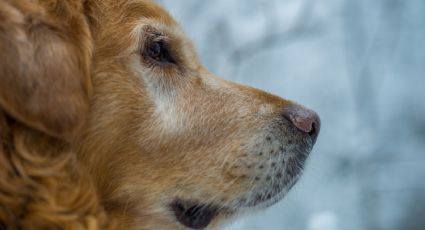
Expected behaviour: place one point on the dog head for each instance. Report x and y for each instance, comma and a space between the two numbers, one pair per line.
171, 145
168, 144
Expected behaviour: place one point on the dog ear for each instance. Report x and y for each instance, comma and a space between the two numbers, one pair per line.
45, 54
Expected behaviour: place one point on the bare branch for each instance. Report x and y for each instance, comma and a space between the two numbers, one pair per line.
300, 28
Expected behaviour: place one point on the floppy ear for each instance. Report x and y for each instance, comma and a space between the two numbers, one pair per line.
45, 54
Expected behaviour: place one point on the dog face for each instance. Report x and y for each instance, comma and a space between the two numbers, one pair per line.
170, 145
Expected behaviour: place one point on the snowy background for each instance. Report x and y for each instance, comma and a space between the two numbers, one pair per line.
361, 65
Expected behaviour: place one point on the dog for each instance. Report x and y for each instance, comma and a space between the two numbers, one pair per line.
109, 121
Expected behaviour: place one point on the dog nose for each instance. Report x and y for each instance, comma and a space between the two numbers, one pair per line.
305, 120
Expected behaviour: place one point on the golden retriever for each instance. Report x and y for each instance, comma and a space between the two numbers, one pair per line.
109, 121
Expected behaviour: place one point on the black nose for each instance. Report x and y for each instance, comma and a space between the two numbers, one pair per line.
305, 120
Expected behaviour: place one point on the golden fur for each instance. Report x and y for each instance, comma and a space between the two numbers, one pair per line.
96, 135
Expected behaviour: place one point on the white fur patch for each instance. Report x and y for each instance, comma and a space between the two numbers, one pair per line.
167, 113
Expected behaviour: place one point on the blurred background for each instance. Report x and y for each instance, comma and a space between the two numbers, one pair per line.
361, 65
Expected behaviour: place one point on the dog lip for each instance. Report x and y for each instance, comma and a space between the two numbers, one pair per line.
194, 215
272, 197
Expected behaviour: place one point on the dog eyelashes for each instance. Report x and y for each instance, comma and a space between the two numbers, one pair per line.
159, 52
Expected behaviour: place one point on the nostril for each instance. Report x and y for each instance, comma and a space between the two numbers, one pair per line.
313, 131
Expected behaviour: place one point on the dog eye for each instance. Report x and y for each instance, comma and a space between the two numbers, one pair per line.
159, 52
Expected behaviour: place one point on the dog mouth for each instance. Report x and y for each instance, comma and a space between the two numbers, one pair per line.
197, 215
194, 215
272, 187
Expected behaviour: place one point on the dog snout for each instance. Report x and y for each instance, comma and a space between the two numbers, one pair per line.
305, 120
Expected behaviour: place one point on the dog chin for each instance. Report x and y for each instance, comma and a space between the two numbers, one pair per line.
198, 215
262, 202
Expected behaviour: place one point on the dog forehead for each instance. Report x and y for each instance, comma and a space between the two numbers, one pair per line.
119, 26
135, 10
